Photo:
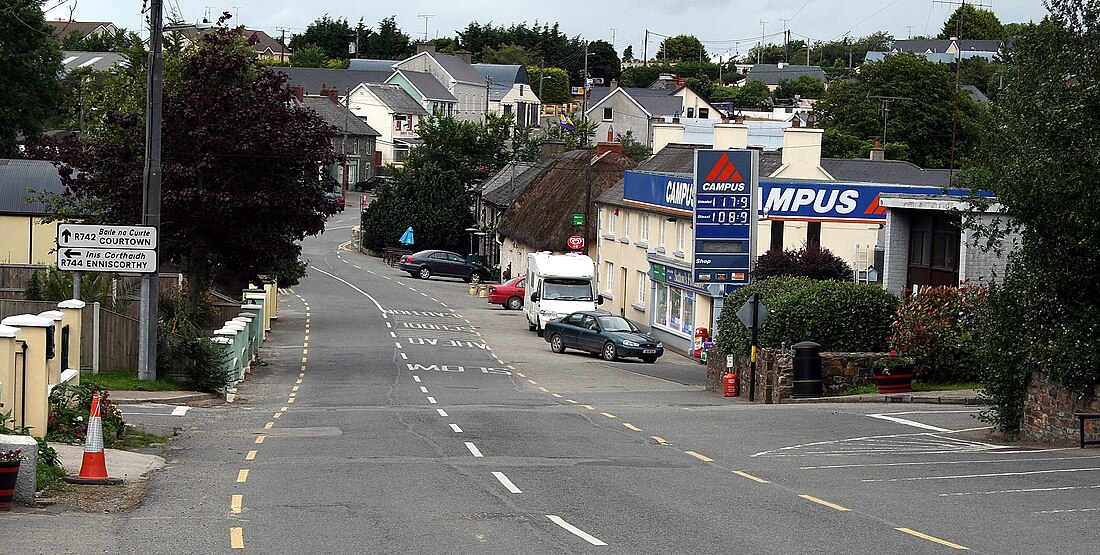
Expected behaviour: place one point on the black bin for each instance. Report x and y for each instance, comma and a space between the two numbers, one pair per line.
807, 370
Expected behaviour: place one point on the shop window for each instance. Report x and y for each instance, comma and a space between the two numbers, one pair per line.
660, 302
674, 309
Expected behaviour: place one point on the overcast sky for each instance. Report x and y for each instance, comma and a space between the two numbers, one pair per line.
724, 26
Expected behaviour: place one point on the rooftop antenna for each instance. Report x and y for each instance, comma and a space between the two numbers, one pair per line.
426, 17
236, 13
760, 51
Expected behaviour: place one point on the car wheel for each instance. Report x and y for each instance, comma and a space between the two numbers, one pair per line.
539, 331
424, 273
530, 326
556, 343
514, 303
610, 353
475, 277
649, 360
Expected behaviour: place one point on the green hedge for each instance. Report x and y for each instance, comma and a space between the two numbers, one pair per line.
840, 316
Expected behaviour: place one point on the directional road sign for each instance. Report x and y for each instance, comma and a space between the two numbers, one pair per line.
106, 260
136, 237
745, 314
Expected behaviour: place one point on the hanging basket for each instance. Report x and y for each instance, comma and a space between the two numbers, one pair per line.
9, 472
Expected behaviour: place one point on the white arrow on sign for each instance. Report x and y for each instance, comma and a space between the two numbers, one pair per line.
137, 237
132, 261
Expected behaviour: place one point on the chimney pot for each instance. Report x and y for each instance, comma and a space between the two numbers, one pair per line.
603, 147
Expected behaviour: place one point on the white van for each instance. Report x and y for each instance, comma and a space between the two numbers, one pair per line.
557, 285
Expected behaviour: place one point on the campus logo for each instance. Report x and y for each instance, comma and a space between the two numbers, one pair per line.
724, 170
817, 201
875, 208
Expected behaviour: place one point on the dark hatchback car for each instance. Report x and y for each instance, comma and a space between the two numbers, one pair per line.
603, 333
336, 200
426, 264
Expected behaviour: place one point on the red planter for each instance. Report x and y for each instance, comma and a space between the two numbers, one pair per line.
9, 471
900, 380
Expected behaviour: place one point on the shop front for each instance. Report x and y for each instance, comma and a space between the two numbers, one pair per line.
679, 307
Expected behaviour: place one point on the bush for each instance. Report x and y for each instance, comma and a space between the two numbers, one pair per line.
812, 262
70, 407
938, 327
840, 316
204, 360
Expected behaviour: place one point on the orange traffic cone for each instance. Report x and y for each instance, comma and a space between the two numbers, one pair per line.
93, 469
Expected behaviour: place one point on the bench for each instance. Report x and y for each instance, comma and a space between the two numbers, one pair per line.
1081, 418
392, 256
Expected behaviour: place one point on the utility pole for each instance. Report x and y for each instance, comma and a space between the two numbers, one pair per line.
282, 45
541, 79
786, 39
147, 333
584, 87
645, 46
760, 49
426, 17
886, 100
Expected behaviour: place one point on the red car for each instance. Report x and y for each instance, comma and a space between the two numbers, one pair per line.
508, 294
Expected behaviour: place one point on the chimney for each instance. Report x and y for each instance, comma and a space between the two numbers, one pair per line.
731, 135
464, 56
298, 91
551, 148
425, 47
877, 152
802, 151
665, 133
332, 93
614, 84
603, 147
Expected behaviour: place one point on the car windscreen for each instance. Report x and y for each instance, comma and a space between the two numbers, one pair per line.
558, 289
617, 323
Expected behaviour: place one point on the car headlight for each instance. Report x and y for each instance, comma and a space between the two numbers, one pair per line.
630, 343
659, 345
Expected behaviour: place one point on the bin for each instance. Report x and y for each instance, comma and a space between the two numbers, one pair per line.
806, 376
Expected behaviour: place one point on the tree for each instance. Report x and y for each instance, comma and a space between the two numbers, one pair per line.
603, 61
240, 166
628, 53
308, 55
924, 118
682, 47
30, 61
970, 23
804, 87
1050, 300
388, 43
576, 135
632, 147
753, 94
641, 76
509, 54
118, 41
555, 84
331, 35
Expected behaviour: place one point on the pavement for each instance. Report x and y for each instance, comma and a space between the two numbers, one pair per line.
128, 465
164, 397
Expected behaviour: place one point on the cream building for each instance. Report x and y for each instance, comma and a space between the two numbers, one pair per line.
24, 238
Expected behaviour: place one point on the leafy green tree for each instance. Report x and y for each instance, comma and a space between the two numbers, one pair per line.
603, 61
628, 53
118, 41
331, 35
30, 61
508, 54
387, 43
804, 87
682, 47
308, 55
968, 22
793, 52
642, 76
1046, 311
555, 86
923, 121
754, 94
632, 147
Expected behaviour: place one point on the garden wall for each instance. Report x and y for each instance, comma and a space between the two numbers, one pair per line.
839, 371
1049, 408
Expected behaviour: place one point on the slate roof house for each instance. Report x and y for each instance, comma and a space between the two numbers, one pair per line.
26, 239
510, 93
266, 47
772, 74
469, 87
62, 29
393, 113
97, 61
636, 110
355, 140
425, 89
313, 79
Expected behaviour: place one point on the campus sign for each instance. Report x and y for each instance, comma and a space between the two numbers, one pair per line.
725, 216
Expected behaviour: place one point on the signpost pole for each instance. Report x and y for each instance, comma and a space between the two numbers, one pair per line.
147, 334
755, 300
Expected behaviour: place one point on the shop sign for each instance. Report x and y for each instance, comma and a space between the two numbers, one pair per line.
575, 242
725, 216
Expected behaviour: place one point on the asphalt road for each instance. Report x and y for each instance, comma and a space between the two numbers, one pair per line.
403, 416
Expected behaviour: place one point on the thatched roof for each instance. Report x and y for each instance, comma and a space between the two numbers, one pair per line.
541, 216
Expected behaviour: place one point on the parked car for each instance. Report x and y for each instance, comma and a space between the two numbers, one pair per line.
425, 264
336, 199
508, 294
600, 332
371, 183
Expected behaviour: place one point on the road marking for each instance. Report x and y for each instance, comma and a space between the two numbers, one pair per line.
302, 374
345, 282
937, 463
630, 426
423, 294
416, 379
251, 455
608, 414
660, 440
570, 401
435, 299
423, 389
703, 458
431, 400
532, 382
404, 356
441, 412
912, 423
306, 338
473, 449
304, 359
504, 481
1024, 490
575, 531
236, 538
411, 289
389, 325
1056, 511
180, 411
543, 389
558, 395
283, 409
393, 335
932, 538
750, 476
992, 475
456, 428
398, 344
295, 388
589, 407
277, 415
823, 502
235, 504
260, 438
292, 398
268, 425
242, 476
520, 374
357, 267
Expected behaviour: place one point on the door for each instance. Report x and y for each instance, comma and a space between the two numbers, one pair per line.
934, 240
438, 263
456, 266
570, 330
588, 337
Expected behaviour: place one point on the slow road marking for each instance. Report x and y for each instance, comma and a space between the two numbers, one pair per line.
574, 530
932, 539
504, 481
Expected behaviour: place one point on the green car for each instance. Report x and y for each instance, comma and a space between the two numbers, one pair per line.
602, 333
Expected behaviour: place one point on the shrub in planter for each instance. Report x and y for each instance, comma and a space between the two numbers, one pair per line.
938, 327
840, 316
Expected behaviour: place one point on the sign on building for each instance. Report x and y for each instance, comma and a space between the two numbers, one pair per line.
107, 248
724, 218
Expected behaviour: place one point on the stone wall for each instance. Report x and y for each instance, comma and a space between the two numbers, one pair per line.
839, 371
1049, 408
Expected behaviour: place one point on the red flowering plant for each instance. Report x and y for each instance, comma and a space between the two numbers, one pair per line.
70, 407
893, 362
12, 455
937, 327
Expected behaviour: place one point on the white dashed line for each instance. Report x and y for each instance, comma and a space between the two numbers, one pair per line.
456, 428
180, 411
504, 481
416, 379
473, 449
441, 412
404, 356
574, 530
423, 389
431, 400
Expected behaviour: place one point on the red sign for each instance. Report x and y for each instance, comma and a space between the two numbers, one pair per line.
575, 242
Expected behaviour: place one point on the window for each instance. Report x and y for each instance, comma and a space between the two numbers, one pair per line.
643, 282
675, 310
691, 112
508, 110
664, 224
608, 114
704, 113
626, 225
612, 215
643, 231
399, 122
680, 237
400, 153
609, 277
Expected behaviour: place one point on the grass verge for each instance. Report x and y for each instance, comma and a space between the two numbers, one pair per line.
134, 438
125, 381
946, 386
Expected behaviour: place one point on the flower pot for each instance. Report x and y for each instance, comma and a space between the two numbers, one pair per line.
899, 380
9, 471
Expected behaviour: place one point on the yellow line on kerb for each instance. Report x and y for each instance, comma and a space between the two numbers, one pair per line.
751, 477
932, 538
703, 458
236, 538
823, 502
235, 504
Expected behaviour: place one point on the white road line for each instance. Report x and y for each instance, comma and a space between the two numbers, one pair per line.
441, 412
912, 423
992, 475
937, 463
398, 343
345, 282
1056, 511
416, 379
389, 325
1025, 490
504, 481
393, 335
575, 531
423, 389
371, 272
404, 356
456, 428
473, 449
431, 400
180, 411
388, 277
